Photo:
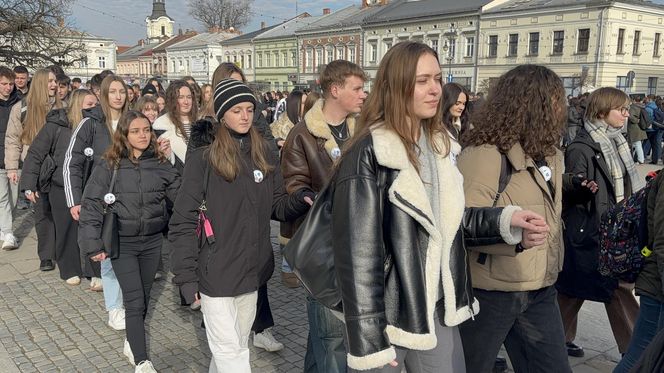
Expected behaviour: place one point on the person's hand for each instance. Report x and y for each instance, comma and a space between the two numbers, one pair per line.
32, 197
280, 143
13, 176
75, 212
164, 146
529, 220
580, 181
530, 239
393, 363
99, 257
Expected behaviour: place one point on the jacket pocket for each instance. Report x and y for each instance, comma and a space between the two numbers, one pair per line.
528, 266
581, 229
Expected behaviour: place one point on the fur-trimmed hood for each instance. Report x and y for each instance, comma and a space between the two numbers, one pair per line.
202, 133
318, 127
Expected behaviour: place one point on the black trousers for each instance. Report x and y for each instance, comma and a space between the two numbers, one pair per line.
67, 253
263, 318
45, 228
528, 322
135, 269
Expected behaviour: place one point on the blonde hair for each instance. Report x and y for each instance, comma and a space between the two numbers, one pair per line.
75, 111
38, 104
602, 101
105, 104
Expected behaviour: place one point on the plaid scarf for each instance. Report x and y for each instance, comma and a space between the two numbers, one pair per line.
598, 132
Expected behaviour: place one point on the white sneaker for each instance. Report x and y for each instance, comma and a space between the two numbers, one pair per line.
127, 352
96, 285
73, 281
266, 341
145, 366
10, 242
116, 318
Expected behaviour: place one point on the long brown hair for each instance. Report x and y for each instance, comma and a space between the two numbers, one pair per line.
526, 106
173, 109
121, 148
105, 104
390, 100
75, 111
38, 104
223, 71
224, 153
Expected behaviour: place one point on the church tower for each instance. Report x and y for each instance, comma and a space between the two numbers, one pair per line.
159, 24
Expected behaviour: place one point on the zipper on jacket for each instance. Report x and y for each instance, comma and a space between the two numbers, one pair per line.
140, 203
465, 288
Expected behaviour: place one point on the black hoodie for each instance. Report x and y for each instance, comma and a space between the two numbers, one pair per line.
5, 109
91, 136
56, 133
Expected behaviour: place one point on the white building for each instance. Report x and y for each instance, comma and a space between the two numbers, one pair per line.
240, 51
197, 56
159, 24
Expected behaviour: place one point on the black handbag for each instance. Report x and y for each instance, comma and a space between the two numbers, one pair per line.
48, 166
110, 235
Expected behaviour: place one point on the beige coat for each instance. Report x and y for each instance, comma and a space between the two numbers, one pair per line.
14, 150
504, 269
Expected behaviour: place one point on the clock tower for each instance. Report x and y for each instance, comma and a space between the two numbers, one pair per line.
159, 24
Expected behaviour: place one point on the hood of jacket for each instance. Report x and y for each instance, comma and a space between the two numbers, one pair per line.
202, 133
14, 97
59, 117
95, 113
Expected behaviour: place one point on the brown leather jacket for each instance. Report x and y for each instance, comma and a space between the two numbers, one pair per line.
307, 158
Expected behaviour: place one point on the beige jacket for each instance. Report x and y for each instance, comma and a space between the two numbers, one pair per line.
14, 150
504, 269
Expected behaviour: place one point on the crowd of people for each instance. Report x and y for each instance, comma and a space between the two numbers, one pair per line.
428, 225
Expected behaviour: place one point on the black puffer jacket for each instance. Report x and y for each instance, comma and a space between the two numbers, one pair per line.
391, 259
5, 110
93, 135
141, 193
56, 133
241, 259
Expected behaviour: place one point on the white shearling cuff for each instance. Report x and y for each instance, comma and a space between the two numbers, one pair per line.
376, 360
511, 235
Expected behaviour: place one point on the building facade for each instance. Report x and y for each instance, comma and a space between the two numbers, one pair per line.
240, 51
137, 62
588, 44
197, 56
100, 54
159, 25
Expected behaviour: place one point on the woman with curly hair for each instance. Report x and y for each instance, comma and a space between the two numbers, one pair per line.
515, 139
175, 124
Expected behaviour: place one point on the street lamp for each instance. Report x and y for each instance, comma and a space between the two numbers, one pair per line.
450, 49
206, 66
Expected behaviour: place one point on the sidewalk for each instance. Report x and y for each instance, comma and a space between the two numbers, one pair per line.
48, 326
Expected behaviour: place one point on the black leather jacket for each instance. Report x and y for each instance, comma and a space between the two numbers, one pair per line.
394, 268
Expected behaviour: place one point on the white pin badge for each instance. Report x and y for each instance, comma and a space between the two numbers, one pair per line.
109, 198
88, 152
258, 176
335, 153
453, 158
546, 172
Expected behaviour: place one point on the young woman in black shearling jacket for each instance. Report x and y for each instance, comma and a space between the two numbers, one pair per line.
244, 189
52, 140
145, 181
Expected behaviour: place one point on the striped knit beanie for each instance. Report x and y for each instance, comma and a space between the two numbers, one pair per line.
228, 93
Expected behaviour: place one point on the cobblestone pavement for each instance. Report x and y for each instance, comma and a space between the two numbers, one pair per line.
48, 326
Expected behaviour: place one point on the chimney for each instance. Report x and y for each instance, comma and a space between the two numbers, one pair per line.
180, 31
141, 42
326, 11
263, 25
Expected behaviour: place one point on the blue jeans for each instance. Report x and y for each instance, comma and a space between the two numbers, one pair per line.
112, 291
648, 324
284, 264
326, 352
655, 143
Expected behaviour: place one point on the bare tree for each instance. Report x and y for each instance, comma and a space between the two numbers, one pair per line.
34, 33
221, 13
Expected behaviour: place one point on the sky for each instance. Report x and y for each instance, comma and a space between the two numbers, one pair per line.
124, 20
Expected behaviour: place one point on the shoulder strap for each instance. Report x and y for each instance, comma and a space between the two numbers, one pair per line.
505, 176
115, 174
24, 110
206, 178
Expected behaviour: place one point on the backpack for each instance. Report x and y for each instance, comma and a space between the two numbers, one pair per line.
623, 237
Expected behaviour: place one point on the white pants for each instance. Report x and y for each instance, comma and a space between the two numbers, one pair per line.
8, 198
228, 323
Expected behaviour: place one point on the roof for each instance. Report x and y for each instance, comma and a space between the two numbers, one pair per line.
333, 20
137, 51
245, 38
202, 40
288, 28
159, 10
517, 5
173, 40
403, 10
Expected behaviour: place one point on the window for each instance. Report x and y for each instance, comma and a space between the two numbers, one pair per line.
533, 44
558, 42
259, 59
284, 56
584, 40
248, 61
637, 42
340, 52
309, 60
652, 86
572, 85
470, 46
293, 55
452, 51
388, 44
163, 30
102, 62
621, 41
275, 59
319, 56
655, 48
465, 82
434, 44
228, 58
513, 45
621, 83
373, 52
351, 53
329, 54
493, 46
235, 60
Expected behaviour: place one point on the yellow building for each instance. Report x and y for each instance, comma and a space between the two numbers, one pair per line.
587, 43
